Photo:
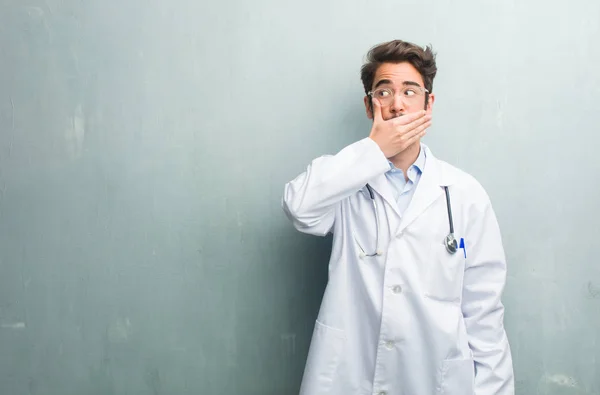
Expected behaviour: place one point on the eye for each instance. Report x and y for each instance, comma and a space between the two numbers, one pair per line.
410, 92
382, 94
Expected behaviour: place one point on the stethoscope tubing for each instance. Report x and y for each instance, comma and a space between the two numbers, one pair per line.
449, 241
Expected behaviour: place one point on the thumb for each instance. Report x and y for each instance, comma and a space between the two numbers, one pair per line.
377, 117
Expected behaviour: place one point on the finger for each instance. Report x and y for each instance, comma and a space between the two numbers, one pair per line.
415, 137
410, 117
377, 116
417, 132
414, 124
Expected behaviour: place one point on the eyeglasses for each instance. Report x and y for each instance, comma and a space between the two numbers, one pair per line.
409, 94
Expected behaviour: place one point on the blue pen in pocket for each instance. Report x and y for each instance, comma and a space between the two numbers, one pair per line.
462, 245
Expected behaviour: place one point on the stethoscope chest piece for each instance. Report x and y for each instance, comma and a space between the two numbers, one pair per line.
451, 243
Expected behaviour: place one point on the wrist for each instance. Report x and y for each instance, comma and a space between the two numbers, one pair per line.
381, 147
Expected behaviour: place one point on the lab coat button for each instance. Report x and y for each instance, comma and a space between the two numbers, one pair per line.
382, 393
389, 344
397, 289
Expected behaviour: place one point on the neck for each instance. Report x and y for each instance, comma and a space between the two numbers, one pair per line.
406, 158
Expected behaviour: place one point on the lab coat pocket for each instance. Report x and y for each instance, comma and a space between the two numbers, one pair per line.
323, 359
457, 377
445, 274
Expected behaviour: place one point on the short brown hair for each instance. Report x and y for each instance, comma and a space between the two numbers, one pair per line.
398, 51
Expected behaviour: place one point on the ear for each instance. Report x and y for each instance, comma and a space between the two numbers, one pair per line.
429, 108
368, 107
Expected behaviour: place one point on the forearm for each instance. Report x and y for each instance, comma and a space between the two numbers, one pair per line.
310, 199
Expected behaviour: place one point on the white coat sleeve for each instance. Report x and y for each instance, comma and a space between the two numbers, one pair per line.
484, 281
310, 200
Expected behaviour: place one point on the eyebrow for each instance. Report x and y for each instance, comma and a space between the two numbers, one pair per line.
389, 82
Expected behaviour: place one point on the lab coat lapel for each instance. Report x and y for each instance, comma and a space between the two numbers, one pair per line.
382, 187
429, 189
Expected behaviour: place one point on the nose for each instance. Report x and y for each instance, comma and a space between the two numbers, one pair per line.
397, 106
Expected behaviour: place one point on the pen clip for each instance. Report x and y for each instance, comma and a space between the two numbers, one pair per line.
462, 245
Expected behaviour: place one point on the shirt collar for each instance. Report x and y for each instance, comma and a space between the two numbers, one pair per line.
419, 164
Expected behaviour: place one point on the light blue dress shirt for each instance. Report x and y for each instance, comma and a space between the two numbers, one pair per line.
404, 190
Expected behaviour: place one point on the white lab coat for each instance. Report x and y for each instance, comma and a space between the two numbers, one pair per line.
415, 320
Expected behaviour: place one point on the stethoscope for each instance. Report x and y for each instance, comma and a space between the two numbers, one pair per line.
449, 241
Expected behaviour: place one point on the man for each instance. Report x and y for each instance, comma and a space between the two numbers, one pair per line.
413, 302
